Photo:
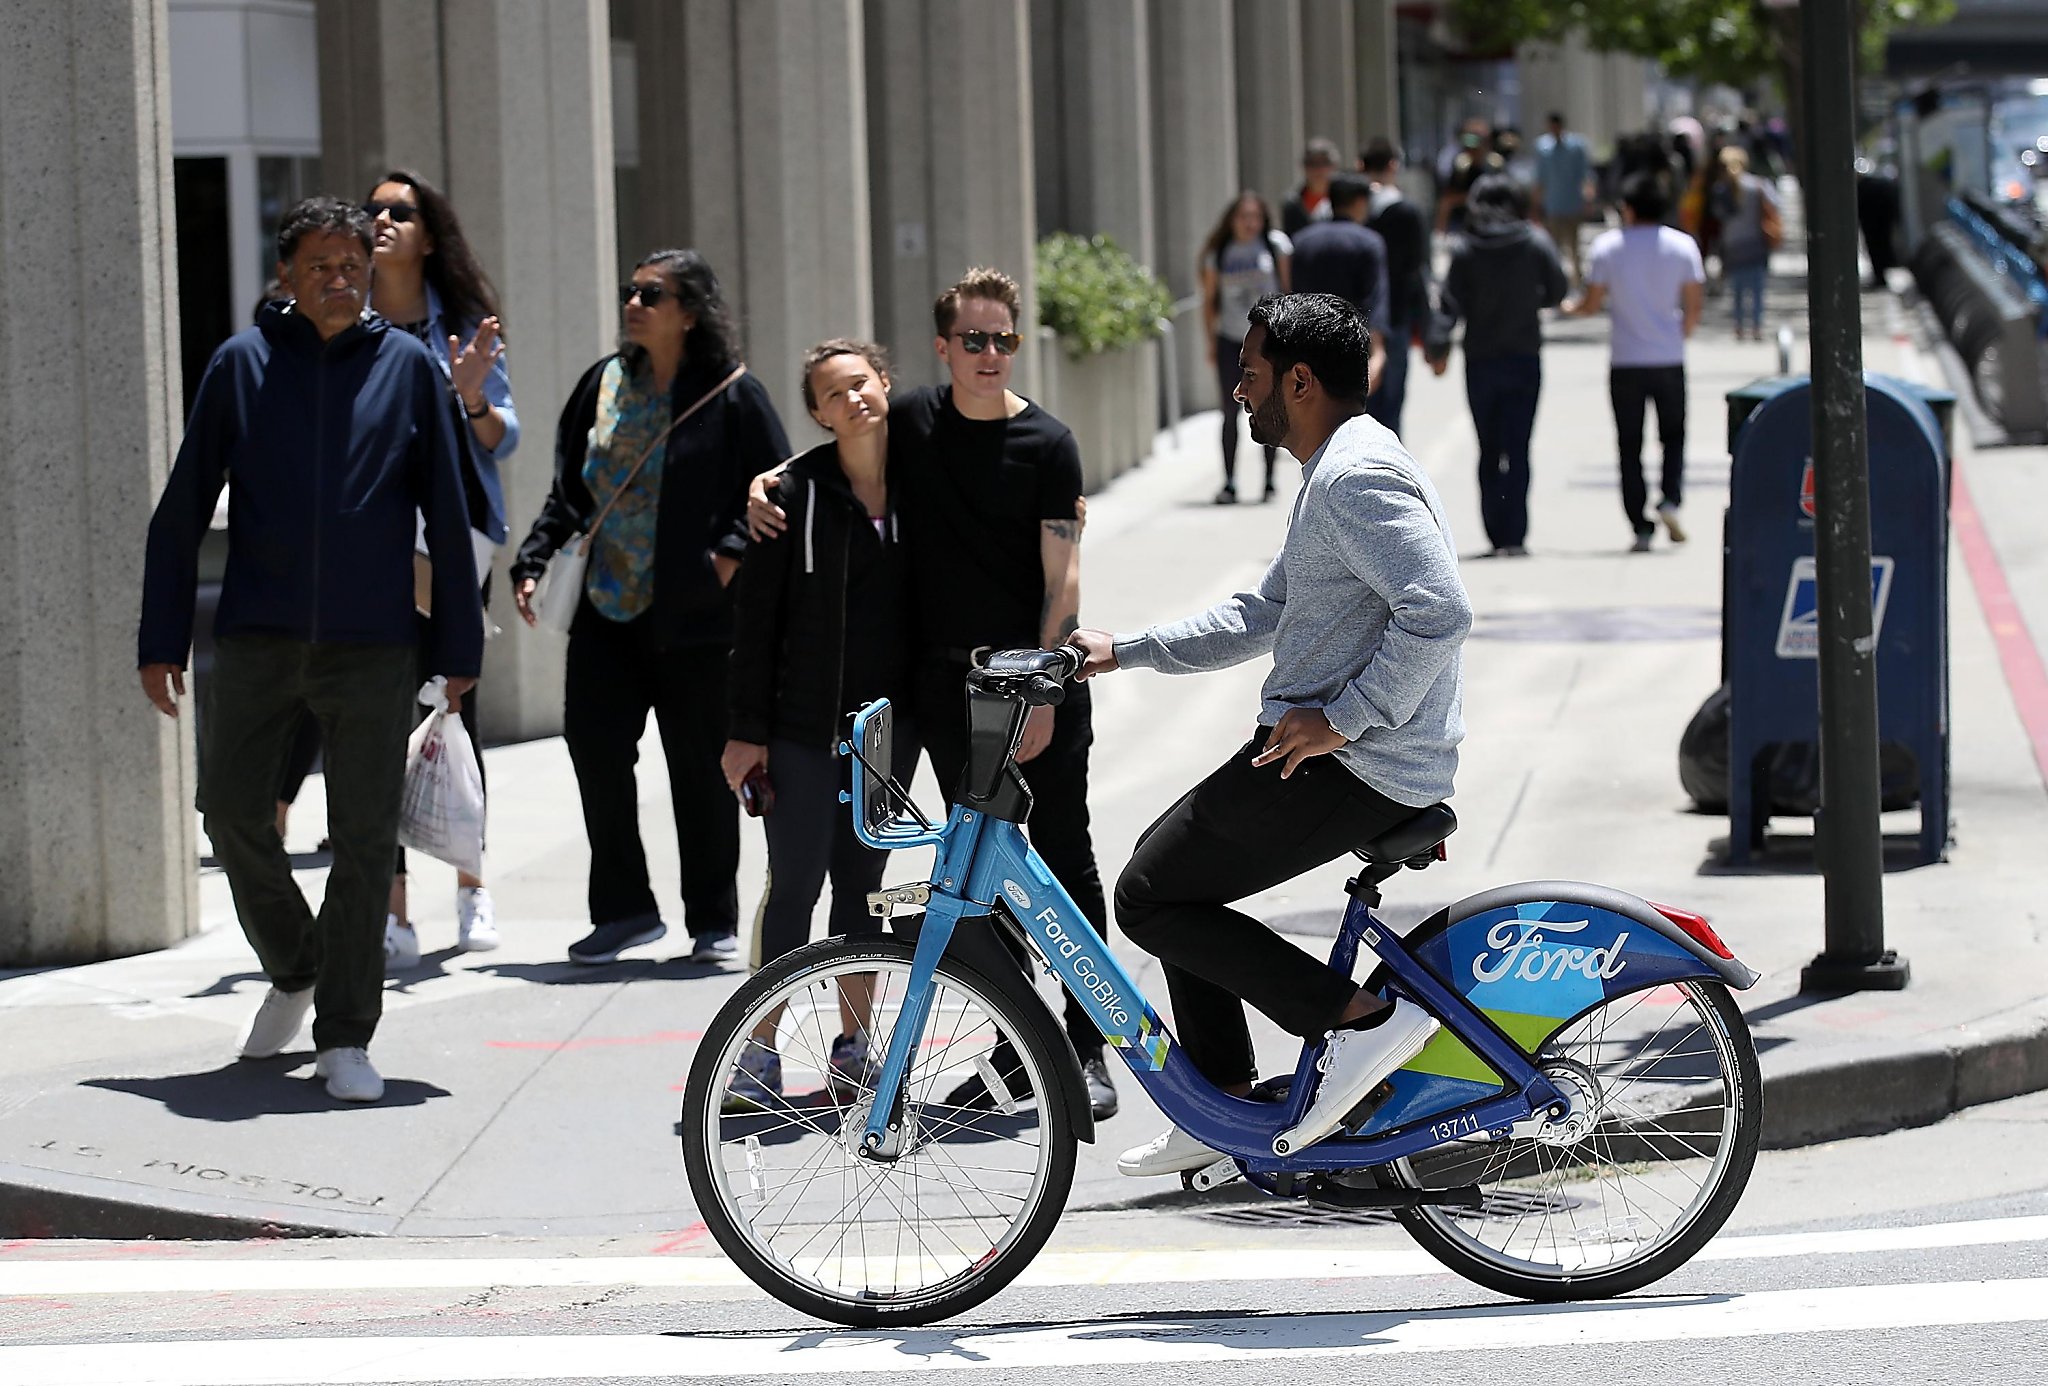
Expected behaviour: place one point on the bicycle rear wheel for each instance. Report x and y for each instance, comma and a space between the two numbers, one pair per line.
785, 1188
1666, 1111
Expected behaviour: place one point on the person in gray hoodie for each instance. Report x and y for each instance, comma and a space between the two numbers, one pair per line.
1364, 616
1504, 272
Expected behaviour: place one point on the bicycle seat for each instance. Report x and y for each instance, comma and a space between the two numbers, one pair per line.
1415, 841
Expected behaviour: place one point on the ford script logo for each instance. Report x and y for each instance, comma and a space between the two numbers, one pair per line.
1019, 897
1534, 957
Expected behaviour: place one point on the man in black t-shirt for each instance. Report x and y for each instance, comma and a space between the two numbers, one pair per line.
989, 487
1342, 256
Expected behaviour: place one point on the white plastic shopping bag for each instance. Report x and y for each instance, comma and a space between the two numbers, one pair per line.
442, 812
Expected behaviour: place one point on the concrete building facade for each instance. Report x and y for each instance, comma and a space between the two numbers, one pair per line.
837, 161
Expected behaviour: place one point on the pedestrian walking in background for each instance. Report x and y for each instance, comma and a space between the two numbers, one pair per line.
428, 284
1476, 157
822, 626
1564, 175
1746, 208
1405, 230
1244, 260
1311, 200
1342, 256
990, 497
1648, 277
1504, 272
653, 453
315, 615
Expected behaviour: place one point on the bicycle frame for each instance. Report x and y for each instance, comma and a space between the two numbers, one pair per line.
985, 864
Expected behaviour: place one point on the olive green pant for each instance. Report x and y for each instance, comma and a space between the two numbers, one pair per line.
362, 696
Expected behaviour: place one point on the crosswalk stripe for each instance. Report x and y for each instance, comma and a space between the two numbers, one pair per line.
179, 1275
1118, 1342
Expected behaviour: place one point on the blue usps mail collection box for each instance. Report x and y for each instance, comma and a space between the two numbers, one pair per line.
1771, 620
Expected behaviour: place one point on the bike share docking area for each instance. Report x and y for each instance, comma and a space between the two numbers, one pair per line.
1771, 597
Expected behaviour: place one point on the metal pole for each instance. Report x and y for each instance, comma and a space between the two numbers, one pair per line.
1850, 841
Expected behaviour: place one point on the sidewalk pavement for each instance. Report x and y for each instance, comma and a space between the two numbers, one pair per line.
528, 1096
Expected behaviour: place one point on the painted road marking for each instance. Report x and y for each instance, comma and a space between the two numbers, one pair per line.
178, 1275
1117, 1342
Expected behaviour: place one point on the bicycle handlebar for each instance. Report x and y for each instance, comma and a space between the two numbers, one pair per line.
1036, 678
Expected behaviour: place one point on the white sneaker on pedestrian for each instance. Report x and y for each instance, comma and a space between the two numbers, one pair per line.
401, 945
476, 920
1668, 513
1353, 1063
350, 1075
275, 1023
1172, 1152
714, 948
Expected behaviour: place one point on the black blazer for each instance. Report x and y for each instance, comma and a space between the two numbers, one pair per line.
706, 466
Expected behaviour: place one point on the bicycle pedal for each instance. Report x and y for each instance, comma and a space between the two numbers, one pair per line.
1210, 1176
1368, 1107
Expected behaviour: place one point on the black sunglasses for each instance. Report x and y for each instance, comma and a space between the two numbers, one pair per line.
648, 294
401, 212
975, 343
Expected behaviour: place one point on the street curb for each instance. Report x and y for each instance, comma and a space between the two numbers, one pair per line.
38, 1203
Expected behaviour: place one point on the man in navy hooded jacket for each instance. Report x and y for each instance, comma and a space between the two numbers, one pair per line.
333, 431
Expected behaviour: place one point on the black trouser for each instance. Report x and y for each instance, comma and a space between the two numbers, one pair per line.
1058, 777
1241, 831
1631, 387
810, 836
1228, 372
1502, 391
362, 697
617, 675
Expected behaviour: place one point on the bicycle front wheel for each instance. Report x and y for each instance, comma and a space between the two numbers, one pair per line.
778, 1173
1666, 1108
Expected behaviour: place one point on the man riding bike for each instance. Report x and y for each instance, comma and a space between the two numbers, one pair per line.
1364, 615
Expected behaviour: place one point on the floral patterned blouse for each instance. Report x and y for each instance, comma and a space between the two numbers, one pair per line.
631, 414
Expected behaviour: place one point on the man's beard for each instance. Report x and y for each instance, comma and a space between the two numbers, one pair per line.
1270, 422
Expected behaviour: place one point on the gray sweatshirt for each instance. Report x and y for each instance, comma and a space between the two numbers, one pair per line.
1362, 611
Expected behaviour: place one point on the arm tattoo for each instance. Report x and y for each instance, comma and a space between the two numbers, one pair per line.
1069, 626
1068, 530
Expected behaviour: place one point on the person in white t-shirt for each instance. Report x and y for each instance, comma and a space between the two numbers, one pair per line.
1649, 278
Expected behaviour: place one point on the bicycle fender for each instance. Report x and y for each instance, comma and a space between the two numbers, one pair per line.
976, 944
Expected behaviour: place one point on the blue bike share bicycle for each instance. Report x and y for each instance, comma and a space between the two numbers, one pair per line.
1585, 1119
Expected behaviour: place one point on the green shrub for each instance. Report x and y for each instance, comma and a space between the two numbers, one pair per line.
1095, 296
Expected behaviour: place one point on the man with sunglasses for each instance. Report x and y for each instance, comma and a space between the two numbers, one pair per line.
990, 502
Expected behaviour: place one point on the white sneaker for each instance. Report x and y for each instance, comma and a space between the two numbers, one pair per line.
276, 1021
1172, 1152
349, 1074
1354, 1062
1668, 513
714, 948
476, 920
401, 945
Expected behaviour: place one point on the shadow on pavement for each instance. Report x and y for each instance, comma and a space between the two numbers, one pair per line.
245, 1089
1793, 854
566, 973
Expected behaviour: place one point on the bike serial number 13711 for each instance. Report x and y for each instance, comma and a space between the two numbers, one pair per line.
1457, 1126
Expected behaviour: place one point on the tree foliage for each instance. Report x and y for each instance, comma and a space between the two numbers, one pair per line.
1736, 42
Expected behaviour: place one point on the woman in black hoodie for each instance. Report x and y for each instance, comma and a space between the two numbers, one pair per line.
823, 625
1504, 272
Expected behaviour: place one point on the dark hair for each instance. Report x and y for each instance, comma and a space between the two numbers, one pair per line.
1644, 195
1320, 150
715, 340
824, 351
1380, 154
1224, 233
322, 214
467, 297
1496, 200
1346, 190
1321, 331
980, 282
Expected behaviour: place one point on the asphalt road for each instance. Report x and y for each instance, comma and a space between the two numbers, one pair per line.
1916, 1256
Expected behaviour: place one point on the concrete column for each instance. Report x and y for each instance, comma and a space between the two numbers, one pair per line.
1270, 123
380, 92
951, 167
1329, 74
97, 833
1105, 151
1194, 124
1376, 41
1602, 95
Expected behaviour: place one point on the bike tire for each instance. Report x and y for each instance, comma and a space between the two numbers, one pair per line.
1449, 1235
1029, 1029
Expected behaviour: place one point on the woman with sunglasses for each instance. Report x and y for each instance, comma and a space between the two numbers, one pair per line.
656, 446
427, 282
823, 627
